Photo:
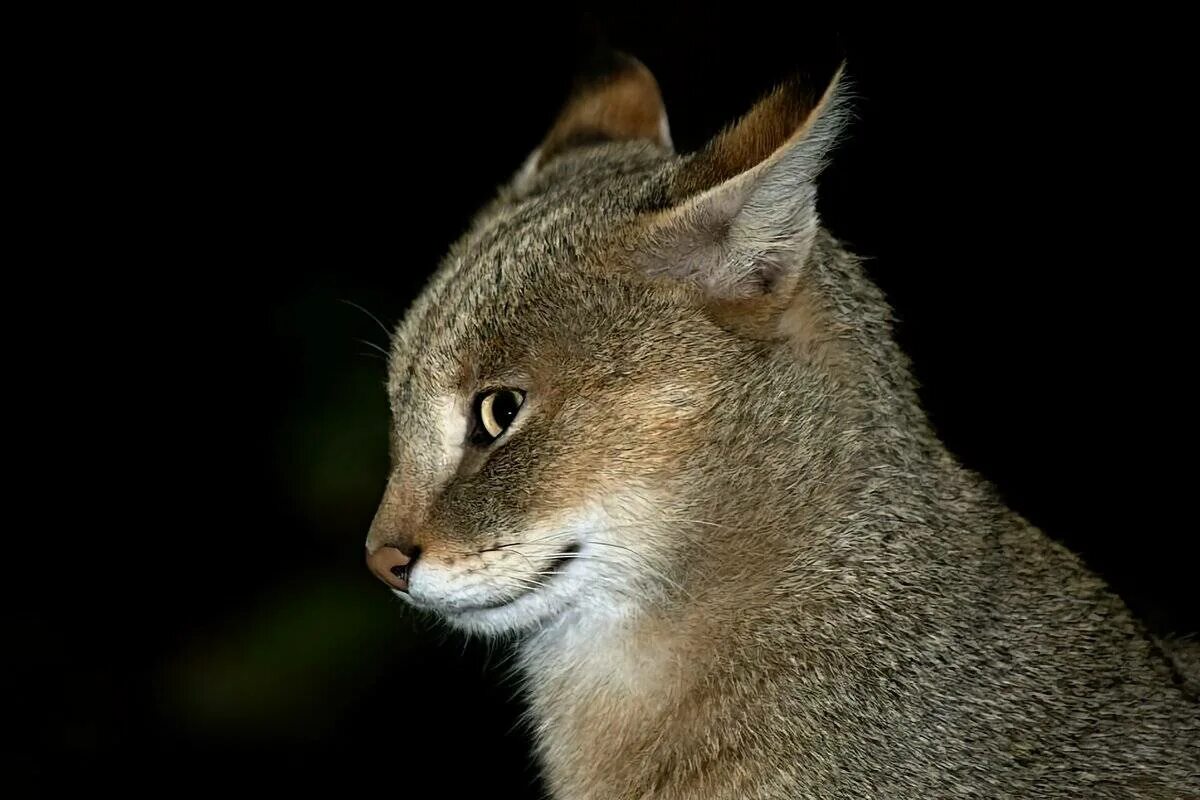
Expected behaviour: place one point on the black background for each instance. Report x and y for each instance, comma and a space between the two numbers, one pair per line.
218, 185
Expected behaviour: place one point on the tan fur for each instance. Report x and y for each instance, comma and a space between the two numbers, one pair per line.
813, 331
735, 558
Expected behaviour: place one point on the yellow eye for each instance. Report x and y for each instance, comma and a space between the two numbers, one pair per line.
495, 411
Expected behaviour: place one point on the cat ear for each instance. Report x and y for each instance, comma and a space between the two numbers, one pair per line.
742, 214
617, 99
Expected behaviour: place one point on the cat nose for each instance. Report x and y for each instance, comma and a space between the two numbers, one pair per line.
393, 565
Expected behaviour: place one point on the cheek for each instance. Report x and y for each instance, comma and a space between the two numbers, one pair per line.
477, 510
578, 455
620, 441
642, 426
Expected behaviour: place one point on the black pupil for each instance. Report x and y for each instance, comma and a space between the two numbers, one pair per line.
504, 408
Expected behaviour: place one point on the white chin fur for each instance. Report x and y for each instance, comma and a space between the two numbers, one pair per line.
462, 597
531, 609
599, 577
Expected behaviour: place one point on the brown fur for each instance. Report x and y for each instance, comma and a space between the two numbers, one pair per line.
736, 559
621, 104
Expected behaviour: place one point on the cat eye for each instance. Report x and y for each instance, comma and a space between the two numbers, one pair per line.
495, 410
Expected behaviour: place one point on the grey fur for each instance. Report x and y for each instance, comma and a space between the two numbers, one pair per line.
828, 604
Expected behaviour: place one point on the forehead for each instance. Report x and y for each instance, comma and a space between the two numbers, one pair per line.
522, 257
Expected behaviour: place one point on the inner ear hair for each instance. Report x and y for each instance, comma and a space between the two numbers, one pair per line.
741, 219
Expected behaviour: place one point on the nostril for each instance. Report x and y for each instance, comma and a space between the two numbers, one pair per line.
393, 565
402, 570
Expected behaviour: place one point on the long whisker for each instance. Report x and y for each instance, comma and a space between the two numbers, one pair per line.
516, 552
558, 535
369, 343
702, 522
513, 582
514, 577
382, 327
623, 526
648, 564
645, 561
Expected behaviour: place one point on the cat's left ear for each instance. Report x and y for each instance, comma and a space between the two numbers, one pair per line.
616, 100
741, 215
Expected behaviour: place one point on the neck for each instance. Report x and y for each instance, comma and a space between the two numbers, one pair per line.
620, 686
604, 685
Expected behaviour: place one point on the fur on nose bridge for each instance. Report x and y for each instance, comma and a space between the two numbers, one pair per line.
398, 518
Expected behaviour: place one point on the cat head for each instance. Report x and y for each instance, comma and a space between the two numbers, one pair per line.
581, 392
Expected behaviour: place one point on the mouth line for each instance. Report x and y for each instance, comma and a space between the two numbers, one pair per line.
553, 567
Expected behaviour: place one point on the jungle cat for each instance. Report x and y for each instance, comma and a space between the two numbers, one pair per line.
650, 421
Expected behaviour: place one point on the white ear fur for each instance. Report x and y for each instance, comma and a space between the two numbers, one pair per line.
528, 169
664, 132
741, 237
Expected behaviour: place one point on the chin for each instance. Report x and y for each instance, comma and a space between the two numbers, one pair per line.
481, 613
531, 611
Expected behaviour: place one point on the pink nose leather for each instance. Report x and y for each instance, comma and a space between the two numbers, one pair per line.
391, 566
